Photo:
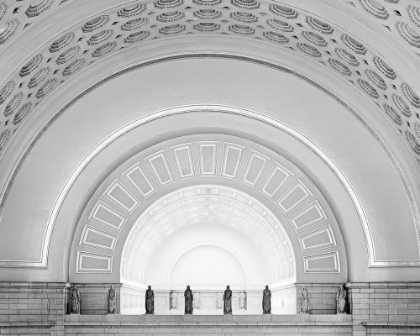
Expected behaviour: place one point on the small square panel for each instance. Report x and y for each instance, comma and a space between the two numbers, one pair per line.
183, 160
158, 162
137, 177
232, 160
294, 197
208, 157
254, 168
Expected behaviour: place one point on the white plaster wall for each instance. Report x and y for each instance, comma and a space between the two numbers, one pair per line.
207, 256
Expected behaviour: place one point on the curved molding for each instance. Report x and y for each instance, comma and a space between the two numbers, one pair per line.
373, 262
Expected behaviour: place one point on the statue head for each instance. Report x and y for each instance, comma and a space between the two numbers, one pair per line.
227, 287
112, 286
188, 287
266, 286
149, 287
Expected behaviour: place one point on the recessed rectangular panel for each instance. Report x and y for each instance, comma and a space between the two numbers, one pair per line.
160, 167
95, 238
93, 263
208, 152
309, 216
318, 239
255, 167
323, 263
120, 195
232, 159
138, 179
102, 213
276, 180
183, 161
294, 197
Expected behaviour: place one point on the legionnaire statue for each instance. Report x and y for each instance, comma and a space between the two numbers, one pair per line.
75, 300
341, 300
266, 301
189, 297
150, 301
304, 301
227, 298
112, 301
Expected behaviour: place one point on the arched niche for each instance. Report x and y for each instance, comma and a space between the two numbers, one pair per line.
208, 215
203, 178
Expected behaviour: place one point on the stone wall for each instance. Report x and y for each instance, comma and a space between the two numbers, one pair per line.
373, 309
94, 298
322, 297
32, 308
385, 308
250, 325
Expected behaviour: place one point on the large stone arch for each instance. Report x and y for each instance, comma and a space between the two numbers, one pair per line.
281, 194
389, 157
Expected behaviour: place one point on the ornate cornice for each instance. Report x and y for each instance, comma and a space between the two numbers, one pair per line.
27, 325
391, 325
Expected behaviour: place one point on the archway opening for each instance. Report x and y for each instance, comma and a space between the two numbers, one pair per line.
207, 237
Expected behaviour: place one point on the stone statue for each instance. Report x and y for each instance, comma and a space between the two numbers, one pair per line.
219, 300
174, 299
112, 301
75, 300
150, 301
242, 300
341, 300
227, 298
196, 300
304, 301
189, 297
266, 301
